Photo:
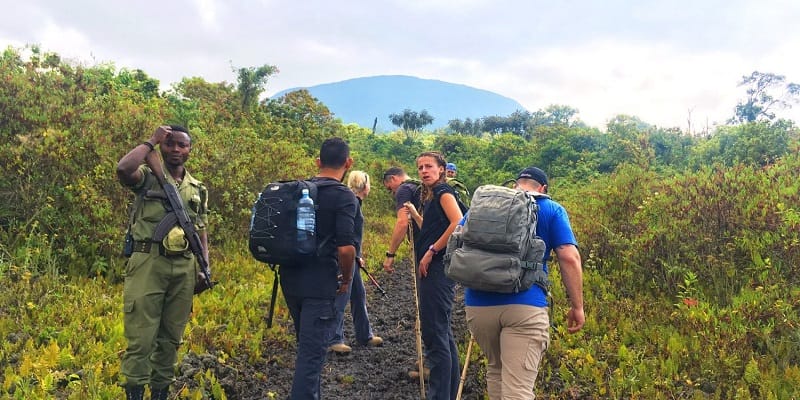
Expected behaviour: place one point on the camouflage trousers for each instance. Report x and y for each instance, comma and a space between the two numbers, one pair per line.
157, 301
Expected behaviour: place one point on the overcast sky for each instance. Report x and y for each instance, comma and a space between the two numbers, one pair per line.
659, 60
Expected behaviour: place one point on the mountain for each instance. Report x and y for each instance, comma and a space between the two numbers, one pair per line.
361, 100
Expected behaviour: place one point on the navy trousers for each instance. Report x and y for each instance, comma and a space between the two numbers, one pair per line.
357, 295
314, 324
436, 294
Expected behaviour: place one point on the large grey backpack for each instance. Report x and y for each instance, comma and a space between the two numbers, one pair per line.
497, 249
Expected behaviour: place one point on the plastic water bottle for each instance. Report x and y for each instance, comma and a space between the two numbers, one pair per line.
306, 243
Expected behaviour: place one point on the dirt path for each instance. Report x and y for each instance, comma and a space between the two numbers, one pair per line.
366, 373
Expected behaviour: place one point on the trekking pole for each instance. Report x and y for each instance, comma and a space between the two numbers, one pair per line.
418, 325
274, 295
374, 282
466, 364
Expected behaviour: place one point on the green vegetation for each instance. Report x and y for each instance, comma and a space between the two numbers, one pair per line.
691, 244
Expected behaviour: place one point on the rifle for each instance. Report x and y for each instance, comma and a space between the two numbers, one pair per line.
178, 213
374, 282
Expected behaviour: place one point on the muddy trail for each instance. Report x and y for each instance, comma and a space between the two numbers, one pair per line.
365, 373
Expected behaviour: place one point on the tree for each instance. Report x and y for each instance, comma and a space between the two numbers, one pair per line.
252, 82
757, 143
198, 103
411, 121
495, 124
466, 127
298, 114
760, 102
555, 115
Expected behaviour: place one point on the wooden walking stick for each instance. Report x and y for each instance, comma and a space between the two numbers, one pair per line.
464, 371
417, 326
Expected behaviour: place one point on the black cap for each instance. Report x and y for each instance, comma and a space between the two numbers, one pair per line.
533, 173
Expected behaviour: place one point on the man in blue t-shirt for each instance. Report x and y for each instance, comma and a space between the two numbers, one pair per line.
512, 329
398, 182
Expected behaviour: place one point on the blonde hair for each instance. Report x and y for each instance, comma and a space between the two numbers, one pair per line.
357, 181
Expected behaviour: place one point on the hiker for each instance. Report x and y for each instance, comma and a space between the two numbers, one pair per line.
160, 276
462, 193
512, 328
311, 285
440, 216
398, 182
451, 170
358, 182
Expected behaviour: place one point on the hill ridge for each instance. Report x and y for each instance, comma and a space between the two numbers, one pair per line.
360, 100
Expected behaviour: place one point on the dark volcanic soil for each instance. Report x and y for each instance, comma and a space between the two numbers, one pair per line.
366, 373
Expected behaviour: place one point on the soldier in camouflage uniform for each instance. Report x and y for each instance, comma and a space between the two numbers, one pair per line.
161, 273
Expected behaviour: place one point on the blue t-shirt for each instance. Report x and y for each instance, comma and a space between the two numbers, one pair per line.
554, 228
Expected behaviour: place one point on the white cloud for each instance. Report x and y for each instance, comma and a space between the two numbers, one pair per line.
654, 81
69, 42
207, 10
450, 6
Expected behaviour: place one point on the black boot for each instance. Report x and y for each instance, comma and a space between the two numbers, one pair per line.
159, 394
134, 392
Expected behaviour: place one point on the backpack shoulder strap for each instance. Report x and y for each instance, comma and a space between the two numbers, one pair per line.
533, 213
324, 183
317, 185
538, 195
441, 188
328, 182
312, 186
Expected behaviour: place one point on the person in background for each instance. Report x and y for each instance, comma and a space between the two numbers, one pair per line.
358, 182
440, 216
160, 276
462, 193
398, 182
512, 329
311, 285
451, 170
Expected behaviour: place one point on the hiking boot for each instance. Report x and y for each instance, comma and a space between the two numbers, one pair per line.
159, 394
375, 341
134, 392
340, 348
414, 374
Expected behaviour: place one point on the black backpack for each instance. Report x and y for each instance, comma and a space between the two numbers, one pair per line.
273, 223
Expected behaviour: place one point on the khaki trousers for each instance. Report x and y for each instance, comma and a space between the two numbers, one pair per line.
157, 299
514, 337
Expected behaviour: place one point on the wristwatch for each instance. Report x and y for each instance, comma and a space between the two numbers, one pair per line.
390, 255
433, 250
